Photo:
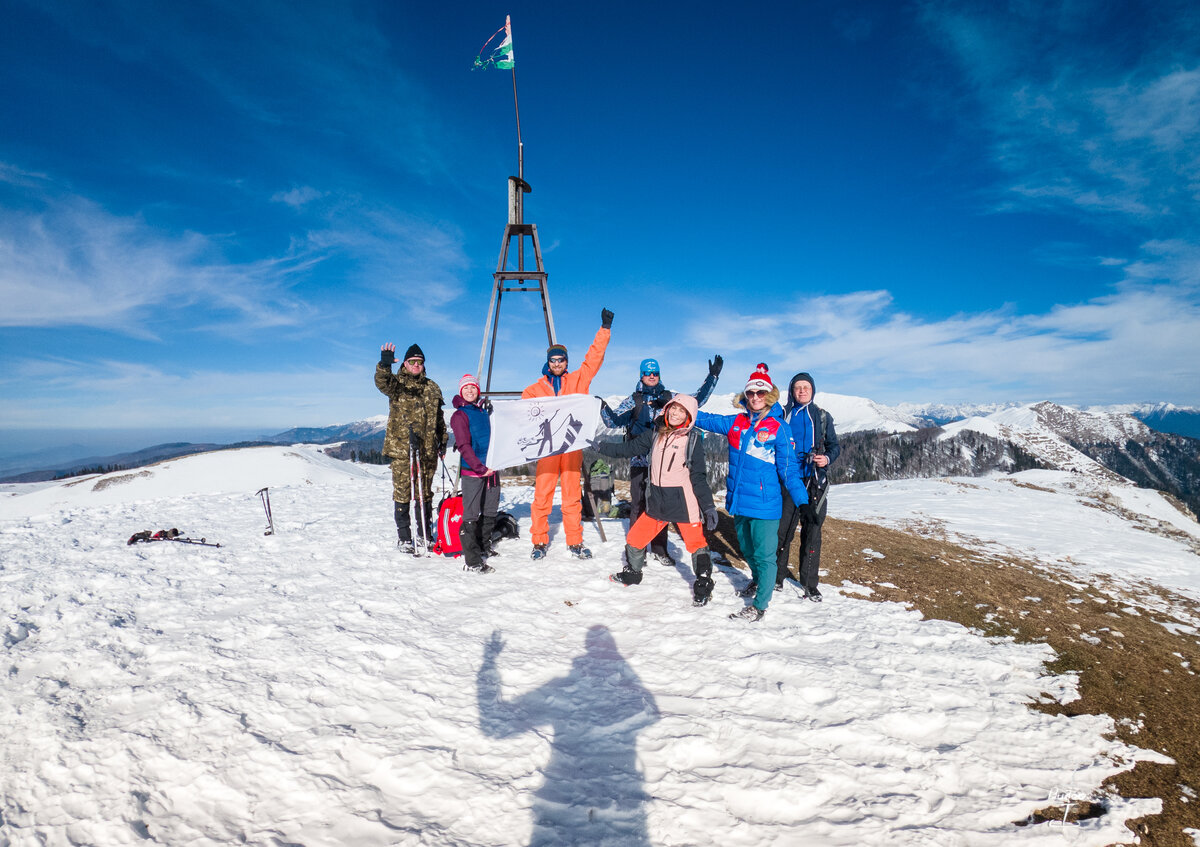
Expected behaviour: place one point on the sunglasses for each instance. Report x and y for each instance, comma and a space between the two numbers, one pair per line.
557, 360
414, 361
754, 393
644, 374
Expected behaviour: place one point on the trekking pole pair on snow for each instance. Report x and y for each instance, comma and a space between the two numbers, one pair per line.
264, 495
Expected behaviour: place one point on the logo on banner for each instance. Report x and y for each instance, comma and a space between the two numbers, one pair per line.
556, 432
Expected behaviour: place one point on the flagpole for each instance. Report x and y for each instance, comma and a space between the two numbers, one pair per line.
520, 143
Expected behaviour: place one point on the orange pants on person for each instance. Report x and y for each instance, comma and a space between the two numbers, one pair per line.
645, 528
563, 472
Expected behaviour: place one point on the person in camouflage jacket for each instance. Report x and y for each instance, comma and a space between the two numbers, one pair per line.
414, 409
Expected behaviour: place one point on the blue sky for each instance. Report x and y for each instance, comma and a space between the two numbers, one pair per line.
213, 213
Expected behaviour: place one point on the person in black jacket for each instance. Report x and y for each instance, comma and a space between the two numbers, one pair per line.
677, 492
816, 447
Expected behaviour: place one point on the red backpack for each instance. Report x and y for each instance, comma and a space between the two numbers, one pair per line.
449, 522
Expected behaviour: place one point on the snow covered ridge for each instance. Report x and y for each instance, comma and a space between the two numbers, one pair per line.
316, 687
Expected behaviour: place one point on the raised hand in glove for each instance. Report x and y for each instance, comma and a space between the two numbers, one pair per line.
604, 404
606, 317
387, 355
715, 364
710, 519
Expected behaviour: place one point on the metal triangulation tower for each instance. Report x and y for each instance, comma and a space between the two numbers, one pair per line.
510, 280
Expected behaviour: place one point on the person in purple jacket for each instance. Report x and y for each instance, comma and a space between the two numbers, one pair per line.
480, 486
761, 455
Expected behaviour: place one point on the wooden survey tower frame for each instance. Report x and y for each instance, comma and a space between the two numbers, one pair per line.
506, 280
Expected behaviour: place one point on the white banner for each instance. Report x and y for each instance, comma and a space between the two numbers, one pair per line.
528, 430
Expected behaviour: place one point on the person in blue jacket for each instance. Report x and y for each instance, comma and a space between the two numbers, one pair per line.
761, 455
636, 414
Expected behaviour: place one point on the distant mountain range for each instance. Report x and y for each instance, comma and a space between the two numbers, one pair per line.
1152, 445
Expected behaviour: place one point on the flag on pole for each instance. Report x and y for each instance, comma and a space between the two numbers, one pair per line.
530, 429
501, 57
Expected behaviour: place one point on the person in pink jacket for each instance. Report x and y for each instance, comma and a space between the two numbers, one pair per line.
677, 492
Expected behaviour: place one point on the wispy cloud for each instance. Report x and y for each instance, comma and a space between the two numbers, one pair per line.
1081, 118
66, 261
330, 71
1140, 341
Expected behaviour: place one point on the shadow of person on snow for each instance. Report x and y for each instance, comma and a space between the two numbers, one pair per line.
593, 792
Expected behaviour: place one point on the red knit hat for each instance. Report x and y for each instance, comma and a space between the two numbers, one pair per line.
760, 380
467, 379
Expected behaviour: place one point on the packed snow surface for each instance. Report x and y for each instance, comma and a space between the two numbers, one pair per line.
317, 687
1088, 525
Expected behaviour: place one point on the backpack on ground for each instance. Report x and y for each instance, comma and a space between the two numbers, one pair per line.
449, 522
505, 527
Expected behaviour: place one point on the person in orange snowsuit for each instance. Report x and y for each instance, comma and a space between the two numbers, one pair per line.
564, 470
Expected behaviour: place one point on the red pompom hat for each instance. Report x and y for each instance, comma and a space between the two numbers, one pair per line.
760, 380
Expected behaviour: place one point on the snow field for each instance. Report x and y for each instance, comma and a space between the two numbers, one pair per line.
316, 687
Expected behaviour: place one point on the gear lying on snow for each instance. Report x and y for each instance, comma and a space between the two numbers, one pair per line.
168, 535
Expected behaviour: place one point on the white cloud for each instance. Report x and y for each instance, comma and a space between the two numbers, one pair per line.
298, 196
70, 262
1141, 341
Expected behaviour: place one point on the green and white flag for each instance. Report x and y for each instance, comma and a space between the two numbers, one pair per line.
501, 56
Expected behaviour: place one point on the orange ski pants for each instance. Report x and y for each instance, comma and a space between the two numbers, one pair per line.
645, 528
561, 471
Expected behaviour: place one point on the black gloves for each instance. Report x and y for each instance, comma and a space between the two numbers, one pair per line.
710, 519
486, 405
715, 364
604, 404
387, 358
808, 513
606, 317
660, 402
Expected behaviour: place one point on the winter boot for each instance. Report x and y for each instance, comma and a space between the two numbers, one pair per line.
579, 551
703, 586
750, 613
403, 528
627, 576
486, 546
480, 568
750, 590
468, 535
539, 551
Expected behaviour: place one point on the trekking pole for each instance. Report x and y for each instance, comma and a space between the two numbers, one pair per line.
265, 496
414, 457
595, 514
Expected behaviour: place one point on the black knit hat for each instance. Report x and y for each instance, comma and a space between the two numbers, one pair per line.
802, 376
414, 351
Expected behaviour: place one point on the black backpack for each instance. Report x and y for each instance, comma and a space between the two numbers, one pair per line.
505, 527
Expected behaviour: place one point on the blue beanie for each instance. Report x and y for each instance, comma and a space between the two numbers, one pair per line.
649, 366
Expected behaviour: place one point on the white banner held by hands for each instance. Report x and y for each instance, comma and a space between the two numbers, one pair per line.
527, 430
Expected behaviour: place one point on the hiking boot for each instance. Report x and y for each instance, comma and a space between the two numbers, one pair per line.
813, 594
663, 559
539, 551
579, 551
480, 568
750, 590
406, 546
627, 577
750, 613
701, 600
